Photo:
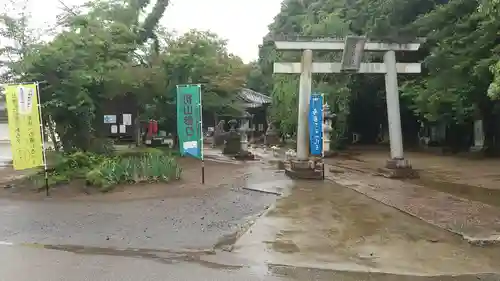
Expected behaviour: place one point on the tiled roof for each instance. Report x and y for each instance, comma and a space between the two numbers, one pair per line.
252, 98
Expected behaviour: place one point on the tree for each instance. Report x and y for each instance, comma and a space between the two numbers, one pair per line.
195, 57
85, 64
461, 63
105, 51
307, 18
17, 36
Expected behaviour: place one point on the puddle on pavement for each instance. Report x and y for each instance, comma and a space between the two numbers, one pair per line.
324, 225
300, 273
266, 178
162, 256
475, 193
276, 187
284, 246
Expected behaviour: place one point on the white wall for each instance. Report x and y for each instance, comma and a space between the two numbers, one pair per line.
4, 132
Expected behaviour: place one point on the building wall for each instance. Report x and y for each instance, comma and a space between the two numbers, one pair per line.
5, 151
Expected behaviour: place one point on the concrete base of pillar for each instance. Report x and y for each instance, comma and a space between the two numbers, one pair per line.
330, 154
477, 152
272, 139
244, 155
306, 170
398, 168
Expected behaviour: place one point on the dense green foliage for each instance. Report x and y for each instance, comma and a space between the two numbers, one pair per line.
311, 19
461, 78
67, 167
109, 48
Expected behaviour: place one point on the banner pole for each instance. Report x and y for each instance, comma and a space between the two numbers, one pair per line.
44, 153
201, 139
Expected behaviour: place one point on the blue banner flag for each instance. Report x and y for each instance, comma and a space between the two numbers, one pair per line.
316, 124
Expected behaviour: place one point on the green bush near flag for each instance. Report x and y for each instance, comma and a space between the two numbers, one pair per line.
104, 172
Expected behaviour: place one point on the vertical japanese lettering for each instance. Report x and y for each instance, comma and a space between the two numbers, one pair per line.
188, 114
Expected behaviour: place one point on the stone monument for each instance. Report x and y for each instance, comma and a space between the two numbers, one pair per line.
219, 134
232, 142
244, 129
478, 149
327, 129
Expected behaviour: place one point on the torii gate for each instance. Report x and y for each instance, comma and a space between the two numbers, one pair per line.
353, 48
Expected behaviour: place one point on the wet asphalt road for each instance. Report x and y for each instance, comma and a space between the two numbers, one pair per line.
196, 222
34, 264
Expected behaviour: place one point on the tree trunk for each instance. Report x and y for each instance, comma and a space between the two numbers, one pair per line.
52, 133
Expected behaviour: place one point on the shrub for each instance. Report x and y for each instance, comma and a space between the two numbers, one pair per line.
77, 164
150, 167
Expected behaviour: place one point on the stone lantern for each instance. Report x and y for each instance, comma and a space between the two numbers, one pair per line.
244, 130
327, 129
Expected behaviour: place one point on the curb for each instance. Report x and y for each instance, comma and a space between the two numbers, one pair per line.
242, 230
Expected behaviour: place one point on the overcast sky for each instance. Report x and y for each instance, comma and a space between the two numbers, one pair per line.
242, 22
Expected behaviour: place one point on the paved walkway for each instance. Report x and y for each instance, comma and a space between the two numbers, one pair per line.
328, 226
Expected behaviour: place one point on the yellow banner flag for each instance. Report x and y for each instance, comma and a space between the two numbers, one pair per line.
24, 126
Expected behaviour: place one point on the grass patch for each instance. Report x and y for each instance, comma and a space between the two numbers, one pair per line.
104, 171
149, 167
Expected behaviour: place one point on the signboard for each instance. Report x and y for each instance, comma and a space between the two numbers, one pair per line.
127, 119
189, 120
316, 124
109, 119
24, 126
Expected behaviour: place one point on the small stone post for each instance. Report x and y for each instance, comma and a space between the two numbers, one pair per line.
244, 130
327, 129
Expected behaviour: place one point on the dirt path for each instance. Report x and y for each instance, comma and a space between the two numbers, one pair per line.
456, 194
453, 169
477, 180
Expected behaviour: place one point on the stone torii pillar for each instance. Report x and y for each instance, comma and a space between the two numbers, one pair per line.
303, 112
352, 49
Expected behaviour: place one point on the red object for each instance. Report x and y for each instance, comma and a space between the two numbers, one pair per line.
150, 128
155, 127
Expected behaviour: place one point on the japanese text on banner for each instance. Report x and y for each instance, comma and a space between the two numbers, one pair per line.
24, 126
189, 120
316, 124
